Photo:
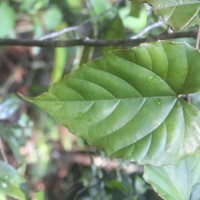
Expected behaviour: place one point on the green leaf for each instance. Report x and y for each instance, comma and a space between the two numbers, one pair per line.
60, 57
176, 182
127, 102
8, 22
39, 196
52, 18
115, 31
115, 184
179, 14
99, 6
134, 18
11, 182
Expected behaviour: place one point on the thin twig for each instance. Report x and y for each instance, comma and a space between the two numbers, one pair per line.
58, 33
76, 27
198, 39
147, 29
94, 42
2, 151
188, 98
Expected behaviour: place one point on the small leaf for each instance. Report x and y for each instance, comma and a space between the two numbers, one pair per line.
115, 184
8, 107
176, 182
11, 183
99, 6
127, 103
179, 14
60, 57
8, 22
115, 31
52, 18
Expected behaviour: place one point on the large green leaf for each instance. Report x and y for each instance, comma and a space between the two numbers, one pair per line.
127, 102
12, 183
176, 182
179, 14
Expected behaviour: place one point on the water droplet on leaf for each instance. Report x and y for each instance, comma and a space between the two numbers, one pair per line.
158, 101
79, 114
149, 78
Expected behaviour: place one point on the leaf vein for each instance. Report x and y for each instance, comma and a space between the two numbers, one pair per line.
109, 134
119, 78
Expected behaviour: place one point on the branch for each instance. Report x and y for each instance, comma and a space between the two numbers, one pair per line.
75, 28
93, 42
84, 159
147, 29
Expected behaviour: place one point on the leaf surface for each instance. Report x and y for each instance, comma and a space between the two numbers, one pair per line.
11, 182
176, 182
179, 14
126, 103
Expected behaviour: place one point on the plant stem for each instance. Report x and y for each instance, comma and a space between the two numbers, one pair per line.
198, 39
93, 42
2, 151
188, 98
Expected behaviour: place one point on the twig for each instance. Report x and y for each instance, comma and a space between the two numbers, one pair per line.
93, 42
188, 98
74, 28
198, 39
61, 32
2, 151
85, 160
147, 29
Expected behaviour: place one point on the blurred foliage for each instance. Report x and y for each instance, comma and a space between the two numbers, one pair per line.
12, 183
7, 24
14, 131
56, 164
